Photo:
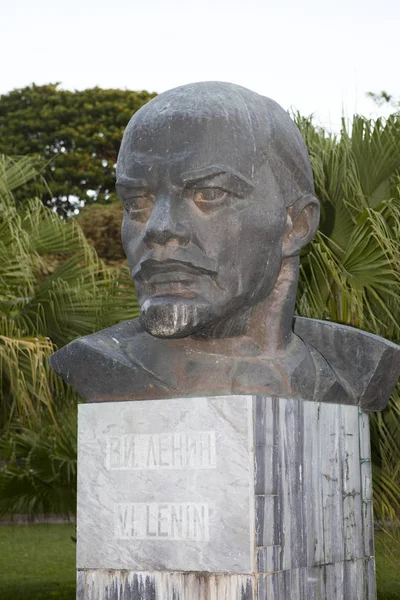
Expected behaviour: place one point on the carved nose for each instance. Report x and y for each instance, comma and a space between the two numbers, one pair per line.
163, 227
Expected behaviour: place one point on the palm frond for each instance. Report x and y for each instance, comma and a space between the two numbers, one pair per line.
53, 288
25, 381
38, 475
375, 147
350, 273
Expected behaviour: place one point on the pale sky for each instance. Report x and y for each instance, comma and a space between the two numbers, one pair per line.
316, 56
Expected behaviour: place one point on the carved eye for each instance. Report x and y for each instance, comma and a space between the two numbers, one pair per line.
139, 206
208, 199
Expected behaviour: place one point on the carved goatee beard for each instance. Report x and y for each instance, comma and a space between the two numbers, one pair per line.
173, 317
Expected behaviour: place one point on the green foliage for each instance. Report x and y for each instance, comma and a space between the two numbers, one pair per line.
101, 225
77, 133
39, 475
351, 272
383, 98
387, 553
53, 288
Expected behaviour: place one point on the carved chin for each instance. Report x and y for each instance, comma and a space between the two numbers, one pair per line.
172, 318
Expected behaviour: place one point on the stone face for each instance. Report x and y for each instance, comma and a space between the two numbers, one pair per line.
155, 486
244, 498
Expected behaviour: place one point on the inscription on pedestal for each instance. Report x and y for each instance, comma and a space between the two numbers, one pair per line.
166, 521
166, 485
183, 450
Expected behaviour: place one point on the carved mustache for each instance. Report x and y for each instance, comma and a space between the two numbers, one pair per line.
187, 261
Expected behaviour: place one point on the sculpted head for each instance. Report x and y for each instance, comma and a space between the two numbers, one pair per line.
218, 191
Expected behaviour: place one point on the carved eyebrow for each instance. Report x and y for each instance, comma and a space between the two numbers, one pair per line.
223, 177
128, 182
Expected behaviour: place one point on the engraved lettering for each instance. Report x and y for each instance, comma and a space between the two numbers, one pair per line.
187, 523
177, 447
199, 521
163, 451
123, 521
176, 521
150, 519
151, 454
182, 450
205, 444
114, 452
191, 449
129, 451
162, 519
166, 521
133, 521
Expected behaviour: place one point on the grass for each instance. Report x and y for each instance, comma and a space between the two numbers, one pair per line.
37, 562
387, 551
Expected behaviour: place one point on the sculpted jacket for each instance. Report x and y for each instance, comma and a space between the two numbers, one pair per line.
123, 362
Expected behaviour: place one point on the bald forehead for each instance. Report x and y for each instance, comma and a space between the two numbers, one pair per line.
229, 107
220, 119
195, 129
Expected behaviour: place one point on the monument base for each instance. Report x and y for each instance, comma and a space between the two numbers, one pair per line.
118, 585
224, 498
349, 580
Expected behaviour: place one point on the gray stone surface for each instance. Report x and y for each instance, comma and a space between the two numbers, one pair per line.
122, 585
351, 580
303, 466
316, 508
367, 365
166, 486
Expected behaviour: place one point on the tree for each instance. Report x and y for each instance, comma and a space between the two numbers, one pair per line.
38, 475
53, 288
383, 98
77, 134
350, 273
101, 224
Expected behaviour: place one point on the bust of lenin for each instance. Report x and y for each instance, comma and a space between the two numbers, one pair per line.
219, 200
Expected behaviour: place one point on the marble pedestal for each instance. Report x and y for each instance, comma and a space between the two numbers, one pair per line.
224, 498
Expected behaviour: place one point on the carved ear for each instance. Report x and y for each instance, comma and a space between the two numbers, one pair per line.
302, 225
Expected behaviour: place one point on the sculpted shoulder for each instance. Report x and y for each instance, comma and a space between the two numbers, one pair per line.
110, 365
366, 366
